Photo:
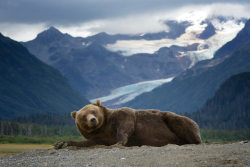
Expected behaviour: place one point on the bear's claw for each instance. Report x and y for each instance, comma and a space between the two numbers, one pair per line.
60, 145
122, 143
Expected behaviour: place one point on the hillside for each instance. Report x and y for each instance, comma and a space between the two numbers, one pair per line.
229, 108
188, 93
30, 86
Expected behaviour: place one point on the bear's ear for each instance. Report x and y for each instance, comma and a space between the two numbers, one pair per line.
73, 114
97, 103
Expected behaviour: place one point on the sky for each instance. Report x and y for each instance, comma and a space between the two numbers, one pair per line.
22, 20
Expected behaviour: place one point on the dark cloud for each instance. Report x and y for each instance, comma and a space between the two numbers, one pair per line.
77, 11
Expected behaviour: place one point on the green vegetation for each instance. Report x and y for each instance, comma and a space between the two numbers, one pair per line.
6, 149
37, 139
44, 124
229, 108
224, 135
29, 86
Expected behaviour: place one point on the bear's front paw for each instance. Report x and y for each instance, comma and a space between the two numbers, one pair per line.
61, 145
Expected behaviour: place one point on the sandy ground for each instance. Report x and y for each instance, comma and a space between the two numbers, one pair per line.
231, 154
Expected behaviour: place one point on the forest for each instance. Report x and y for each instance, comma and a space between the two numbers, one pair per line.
229, 108
44, 124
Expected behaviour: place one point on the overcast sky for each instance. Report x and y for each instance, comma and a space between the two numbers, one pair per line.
22, 20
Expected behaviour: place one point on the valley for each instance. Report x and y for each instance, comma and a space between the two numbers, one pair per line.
98, 64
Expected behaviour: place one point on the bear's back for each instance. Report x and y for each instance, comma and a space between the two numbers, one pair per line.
151, 129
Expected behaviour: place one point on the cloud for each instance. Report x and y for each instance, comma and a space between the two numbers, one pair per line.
21, 32
154, 21
130, 25
23, 19
78, 11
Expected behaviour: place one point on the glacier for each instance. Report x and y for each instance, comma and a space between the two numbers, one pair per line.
226, 30
129, 92
214, 43
131, 47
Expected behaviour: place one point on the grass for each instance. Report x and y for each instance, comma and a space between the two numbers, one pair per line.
18, 144
6, 149
221, 136
37, 139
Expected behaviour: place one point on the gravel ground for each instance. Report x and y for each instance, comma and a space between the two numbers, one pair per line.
231, 154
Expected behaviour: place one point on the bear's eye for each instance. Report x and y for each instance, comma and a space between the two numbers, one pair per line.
84, 117
92, 112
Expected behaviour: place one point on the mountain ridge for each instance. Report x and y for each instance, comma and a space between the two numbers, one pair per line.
28, 85
100, 70
189, 93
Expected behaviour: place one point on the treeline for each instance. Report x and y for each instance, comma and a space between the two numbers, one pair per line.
43, 124
224, 135
46, 118
229, 109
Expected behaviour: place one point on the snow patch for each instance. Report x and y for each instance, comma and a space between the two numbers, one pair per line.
130, 47
214, 43
86, 44
129, 92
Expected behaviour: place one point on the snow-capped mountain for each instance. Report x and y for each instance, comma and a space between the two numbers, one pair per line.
210, 32
103, 64
192, 88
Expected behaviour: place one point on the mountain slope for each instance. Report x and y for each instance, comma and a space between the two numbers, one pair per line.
100, 63
54, 48
189, 93
29, 86
229, 108
225, 51
93, 70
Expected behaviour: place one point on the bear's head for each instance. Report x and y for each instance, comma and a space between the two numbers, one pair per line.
90, 117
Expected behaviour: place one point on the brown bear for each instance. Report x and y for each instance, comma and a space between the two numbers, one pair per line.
129, 127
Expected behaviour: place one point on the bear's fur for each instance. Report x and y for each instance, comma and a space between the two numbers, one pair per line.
129, 127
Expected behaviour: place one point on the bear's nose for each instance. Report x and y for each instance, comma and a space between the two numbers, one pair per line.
92, 120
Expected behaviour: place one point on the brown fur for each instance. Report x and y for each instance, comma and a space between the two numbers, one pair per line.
129, 127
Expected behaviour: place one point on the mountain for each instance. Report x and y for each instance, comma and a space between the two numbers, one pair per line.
99, 64
208, 32
45, 47
193, 87
229, 108
93, 70
30, 86
176, 29
220, 55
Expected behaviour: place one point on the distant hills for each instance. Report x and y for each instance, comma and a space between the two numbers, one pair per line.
192, 88
29, 86
229, 108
